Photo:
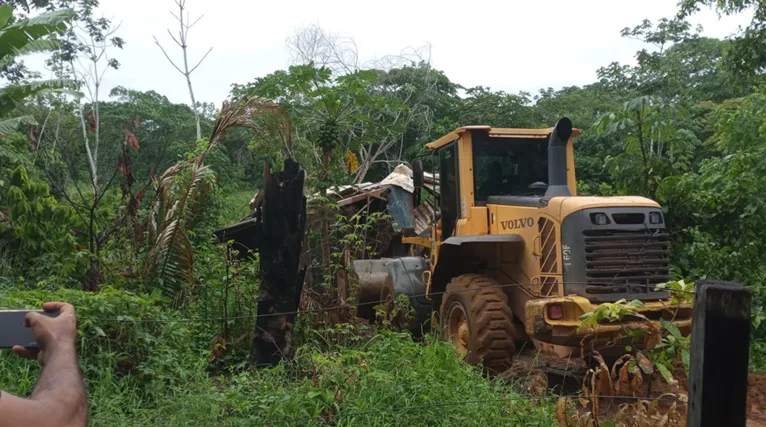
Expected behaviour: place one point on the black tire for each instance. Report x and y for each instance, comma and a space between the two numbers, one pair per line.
487, 315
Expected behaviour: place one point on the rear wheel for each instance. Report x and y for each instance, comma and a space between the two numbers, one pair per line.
476, 317
390, 311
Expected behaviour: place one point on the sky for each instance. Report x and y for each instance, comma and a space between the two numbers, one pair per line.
510, 45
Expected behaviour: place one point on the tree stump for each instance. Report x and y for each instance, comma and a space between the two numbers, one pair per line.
280, 229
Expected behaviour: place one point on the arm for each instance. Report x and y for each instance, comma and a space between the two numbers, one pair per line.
59, 396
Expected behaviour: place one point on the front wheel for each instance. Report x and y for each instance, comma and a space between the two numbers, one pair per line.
476, 317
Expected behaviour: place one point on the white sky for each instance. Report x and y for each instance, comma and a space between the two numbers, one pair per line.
511, 45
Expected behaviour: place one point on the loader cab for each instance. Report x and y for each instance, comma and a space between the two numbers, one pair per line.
480, 165
508, 169
449, 188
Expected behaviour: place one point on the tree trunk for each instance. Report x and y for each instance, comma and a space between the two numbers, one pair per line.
324, 226
92, 278
280, 238
191, 91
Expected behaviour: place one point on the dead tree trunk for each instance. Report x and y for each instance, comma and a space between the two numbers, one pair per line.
282, 222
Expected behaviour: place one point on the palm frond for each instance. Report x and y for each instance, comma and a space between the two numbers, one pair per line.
171, 259
240, 113
180, 189
184, 187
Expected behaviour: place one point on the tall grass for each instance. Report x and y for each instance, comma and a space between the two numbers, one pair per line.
156, 374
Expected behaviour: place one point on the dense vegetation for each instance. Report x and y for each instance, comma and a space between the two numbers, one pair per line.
109, 201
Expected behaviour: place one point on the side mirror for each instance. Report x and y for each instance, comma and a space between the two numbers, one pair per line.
417, 174
417, 181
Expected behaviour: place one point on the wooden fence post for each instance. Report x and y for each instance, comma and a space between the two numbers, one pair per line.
720, 349
280, 238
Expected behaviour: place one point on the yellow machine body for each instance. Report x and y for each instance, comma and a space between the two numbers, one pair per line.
520, 243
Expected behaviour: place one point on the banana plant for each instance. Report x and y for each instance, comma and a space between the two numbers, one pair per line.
20, 38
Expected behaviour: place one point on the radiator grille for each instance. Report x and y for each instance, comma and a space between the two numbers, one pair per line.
617, 259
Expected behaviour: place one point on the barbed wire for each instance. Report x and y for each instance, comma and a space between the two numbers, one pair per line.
330, 418
337, 307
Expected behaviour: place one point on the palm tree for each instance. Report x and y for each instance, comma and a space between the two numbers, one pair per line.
23, 37
184, 187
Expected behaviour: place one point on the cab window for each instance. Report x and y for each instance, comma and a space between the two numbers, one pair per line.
507, 166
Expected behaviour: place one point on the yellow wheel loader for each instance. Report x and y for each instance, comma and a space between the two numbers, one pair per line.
515, 255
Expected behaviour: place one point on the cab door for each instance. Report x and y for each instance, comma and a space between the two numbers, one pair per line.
449, 189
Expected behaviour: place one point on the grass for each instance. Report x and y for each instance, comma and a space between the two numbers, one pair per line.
157, 374
237, 203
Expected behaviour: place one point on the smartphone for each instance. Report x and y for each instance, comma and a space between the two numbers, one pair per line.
13, 330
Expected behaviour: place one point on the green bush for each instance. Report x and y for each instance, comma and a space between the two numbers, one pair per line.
128, 364
154, 372
35, 237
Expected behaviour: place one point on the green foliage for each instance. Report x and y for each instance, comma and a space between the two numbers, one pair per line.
745, 56
226, 287
610, 312
166, 130
648, 126
128, 364
20, 38
154, 373
713, 211
685, 124
673, 348
180, 191
332, 114
26, 36
680, 291
34, 227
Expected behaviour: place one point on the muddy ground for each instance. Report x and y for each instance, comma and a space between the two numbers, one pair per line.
670, 410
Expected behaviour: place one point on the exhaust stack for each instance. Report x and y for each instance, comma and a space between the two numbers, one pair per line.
557, 159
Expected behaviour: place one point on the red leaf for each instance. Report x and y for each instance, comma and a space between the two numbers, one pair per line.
138, 122
130, 139
139, 195
92, 123
132, 208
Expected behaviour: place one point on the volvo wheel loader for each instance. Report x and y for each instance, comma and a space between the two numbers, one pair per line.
516, 256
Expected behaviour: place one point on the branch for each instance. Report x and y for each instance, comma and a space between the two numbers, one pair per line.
174, 39
167, 56
200, 61
195, 22
106, 187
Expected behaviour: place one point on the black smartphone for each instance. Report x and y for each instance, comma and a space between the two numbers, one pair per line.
13, 330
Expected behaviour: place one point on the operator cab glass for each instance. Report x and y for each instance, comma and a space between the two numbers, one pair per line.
449, 186
509, 166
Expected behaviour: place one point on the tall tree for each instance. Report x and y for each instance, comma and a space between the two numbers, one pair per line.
85, 55
182, 41
746, 55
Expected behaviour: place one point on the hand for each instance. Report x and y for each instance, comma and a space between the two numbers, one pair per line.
52, 334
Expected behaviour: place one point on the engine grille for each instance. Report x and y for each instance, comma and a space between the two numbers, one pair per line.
626, 260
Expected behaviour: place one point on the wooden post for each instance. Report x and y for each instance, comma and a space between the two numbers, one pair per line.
282, 222
720, 348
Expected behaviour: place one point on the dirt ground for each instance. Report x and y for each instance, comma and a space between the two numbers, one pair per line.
626, 412
756, 400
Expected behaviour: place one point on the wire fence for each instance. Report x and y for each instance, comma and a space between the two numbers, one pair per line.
332, 418
344, 306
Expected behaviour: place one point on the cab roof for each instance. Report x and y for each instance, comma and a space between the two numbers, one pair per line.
496, 132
